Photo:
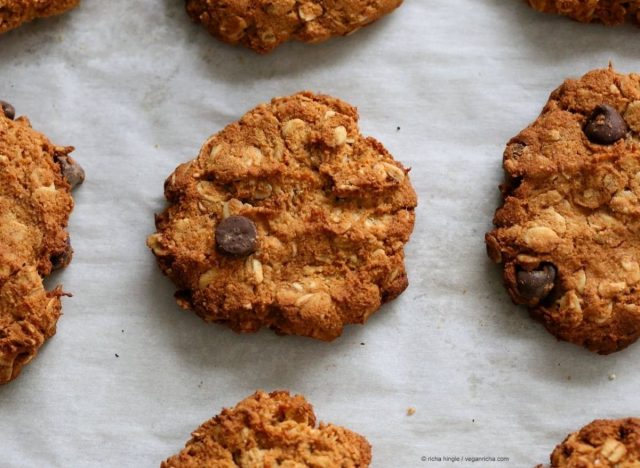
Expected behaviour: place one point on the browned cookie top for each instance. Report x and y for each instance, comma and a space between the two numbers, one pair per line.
288, 218
15, 12
264, 24
568, 234
35, 203
609, 12
601, 444
273, 429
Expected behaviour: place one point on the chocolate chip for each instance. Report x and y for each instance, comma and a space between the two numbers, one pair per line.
62, 259
535, 285
71, 170
605, 125
236, 236
8, 110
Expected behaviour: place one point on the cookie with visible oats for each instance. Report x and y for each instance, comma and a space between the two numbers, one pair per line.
274, 429
568, 233
609, 12
13, 13
289, 219
36, 178
603, 444
262, 25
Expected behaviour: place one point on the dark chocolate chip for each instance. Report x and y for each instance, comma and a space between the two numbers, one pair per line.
236, 236
8, 110
62, 259
535, 285
605, 125
71, 170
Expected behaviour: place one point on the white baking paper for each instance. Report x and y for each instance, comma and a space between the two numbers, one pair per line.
136, 87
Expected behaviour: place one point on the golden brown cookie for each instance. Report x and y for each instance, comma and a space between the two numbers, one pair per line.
290, 219
13, 13
568, 234
610, 12
601, 444
273, 429
262, 25
35, 203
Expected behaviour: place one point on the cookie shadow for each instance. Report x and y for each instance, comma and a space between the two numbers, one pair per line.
553, 38
237, 64
44, 35
547, 358
262, 360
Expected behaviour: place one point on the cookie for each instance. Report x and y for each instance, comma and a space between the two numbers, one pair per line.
35, 204
13, 13
289, 219
568, 233
271, 429
610, 12
262, 25
603, 444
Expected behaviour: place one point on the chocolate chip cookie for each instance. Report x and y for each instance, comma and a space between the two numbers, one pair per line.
274, 429
262, 25
610, 12
13, 13
568, 233
603, 444
290, 219
36, 178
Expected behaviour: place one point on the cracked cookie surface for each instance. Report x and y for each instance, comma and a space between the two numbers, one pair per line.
610, 12
603, 443
262, 25
320, 214
13, 13
274, 429
35, 204
568, 233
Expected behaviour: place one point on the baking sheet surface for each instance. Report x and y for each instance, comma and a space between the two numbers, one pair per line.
137, 88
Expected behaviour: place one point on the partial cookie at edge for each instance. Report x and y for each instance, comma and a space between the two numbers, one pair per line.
263, 25
14, 13
270, 430
603, 443
35, 204
609, 12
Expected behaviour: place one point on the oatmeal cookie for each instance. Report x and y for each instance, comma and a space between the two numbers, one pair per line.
289, 219
568, 233
36, 178
262, 25
603, 444
273, 429
13, 13
610, 12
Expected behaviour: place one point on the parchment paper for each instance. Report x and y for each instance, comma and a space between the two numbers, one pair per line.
137, 88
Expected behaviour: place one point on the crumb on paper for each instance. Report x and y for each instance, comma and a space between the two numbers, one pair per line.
411, 411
